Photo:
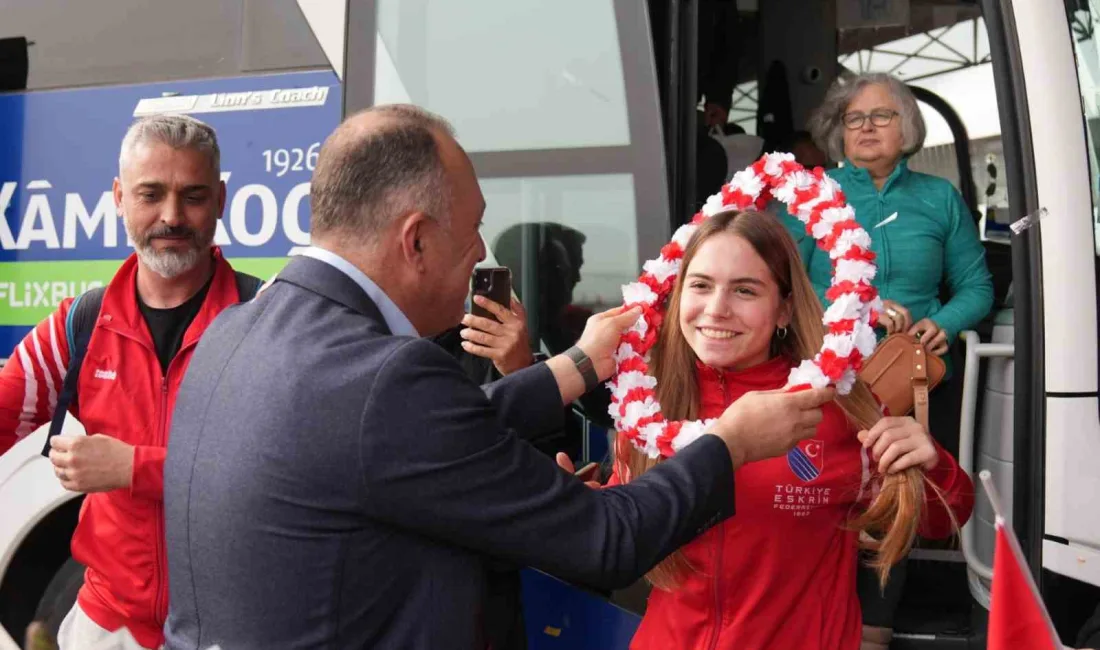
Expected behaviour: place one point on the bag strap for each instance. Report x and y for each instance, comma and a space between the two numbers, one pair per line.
247, 285
79, 324
919, 382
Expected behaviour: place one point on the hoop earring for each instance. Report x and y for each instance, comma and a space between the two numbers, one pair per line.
781, 332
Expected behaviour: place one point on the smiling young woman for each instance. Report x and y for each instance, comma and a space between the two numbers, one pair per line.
781, 573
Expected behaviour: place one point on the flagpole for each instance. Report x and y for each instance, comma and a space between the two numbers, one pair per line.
1010, 535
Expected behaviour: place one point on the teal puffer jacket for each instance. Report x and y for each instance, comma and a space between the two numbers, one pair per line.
922, 233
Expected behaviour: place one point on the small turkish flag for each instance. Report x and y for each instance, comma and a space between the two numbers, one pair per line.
1017, 617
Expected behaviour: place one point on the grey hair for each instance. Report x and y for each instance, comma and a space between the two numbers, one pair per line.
363, 181
176, 131
827, 122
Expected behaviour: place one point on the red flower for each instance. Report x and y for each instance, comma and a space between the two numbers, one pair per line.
632, 364
865, 291
832, 365
672, 251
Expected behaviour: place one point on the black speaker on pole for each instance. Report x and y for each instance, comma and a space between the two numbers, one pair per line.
13, 63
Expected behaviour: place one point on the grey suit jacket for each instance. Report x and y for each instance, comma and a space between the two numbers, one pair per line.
329, 485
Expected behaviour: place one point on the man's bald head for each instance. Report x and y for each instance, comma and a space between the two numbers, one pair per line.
378, 165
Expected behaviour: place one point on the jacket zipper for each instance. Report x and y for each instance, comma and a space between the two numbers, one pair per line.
159, 613
720, 534
718, 588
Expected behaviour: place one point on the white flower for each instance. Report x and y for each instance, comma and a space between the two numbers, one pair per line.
637, 410
874, 305
648, 436
830, 217
748, 182
773, 166
683, 235
841, 344
714, 205
662, 269
836, 215
807, 373
846, 382
792, 183
640, 326
690, 432
632, 379
625, 351
845, 307
864, 339
829, 187
638, 292
848, 239
854, 271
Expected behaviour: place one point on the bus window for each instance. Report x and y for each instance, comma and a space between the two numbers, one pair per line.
541, 97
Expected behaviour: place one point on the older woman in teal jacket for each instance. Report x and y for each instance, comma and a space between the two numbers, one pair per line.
920, 228
923, 235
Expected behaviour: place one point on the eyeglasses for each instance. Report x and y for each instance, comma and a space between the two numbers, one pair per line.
855, 120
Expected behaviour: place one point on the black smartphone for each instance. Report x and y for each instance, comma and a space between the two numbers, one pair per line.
590, 472
495, 283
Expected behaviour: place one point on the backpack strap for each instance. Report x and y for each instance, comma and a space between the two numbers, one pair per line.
247, 285
79, 324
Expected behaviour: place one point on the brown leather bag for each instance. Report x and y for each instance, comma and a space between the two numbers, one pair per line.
901, 373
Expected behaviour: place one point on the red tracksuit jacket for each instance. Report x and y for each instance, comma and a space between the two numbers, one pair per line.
781, 574
121, 393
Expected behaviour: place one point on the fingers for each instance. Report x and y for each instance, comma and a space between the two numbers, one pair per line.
563, 462
483, 339
518, 309
484, 324
810, 419
494, 308
627, 318
915, 458
894, 453
938, 344
481, 350
62, 443
813, 398
873, 436
899, 314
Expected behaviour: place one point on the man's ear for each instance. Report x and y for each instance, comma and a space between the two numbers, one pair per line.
221, 198
414, 231
116, 189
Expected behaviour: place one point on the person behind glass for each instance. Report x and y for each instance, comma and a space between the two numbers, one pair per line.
921, 230
924, 237
781, 575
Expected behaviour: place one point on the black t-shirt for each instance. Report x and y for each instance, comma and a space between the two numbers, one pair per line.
169, 325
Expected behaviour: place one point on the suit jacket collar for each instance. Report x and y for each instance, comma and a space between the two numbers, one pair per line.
330, 282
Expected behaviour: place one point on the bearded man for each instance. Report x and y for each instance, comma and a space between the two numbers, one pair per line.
143, 327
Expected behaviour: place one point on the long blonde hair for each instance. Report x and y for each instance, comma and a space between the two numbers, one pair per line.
892, 518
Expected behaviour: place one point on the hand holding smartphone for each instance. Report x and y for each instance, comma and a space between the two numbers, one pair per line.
494, 283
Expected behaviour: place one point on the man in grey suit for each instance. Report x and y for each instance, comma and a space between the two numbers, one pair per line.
335, 481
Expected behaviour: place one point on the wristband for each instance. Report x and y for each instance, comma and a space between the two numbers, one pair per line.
584, 366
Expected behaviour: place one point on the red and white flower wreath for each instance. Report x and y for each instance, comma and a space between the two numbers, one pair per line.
817, 201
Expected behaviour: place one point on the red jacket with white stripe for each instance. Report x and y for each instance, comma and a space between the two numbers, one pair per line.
122, 393
781, 573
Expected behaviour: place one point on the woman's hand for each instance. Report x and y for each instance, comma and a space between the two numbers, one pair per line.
894, 318
505, 343
930, 334
897, 444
